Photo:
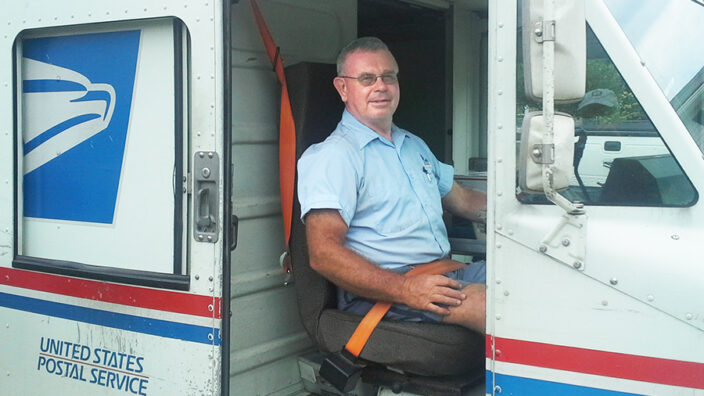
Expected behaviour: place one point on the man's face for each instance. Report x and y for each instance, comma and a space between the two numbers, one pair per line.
373, 105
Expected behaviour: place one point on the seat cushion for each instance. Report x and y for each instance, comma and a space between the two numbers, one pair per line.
419, 348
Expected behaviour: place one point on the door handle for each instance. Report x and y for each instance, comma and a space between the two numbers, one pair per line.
207, 202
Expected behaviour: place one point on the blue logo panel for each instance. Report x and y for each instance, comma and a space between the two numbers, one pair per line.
77, 96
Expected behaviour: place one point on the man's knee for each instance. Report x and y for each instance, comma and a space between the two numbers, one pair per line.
472, 312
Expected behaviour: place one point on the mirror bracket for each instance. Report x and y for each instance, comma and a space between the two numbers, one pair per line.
544, 31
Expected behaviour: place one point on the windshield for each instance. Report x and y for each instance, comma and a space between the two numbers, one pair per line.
669, 38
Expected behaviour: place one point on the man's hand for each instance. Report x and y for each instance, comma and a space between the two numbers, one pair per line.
432, 293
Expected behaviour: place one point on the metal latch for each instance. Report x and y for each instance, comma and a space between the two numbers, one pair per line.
206, 201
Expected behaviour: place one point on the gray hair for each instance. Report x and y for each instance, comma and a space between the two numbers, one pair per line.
365, 44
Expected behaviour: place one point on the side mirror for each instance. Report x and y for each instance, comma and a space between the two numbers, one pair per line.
533, 154
567, 29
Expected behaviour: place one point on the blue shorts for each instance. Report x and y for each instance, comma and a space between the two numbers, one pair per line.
472, 273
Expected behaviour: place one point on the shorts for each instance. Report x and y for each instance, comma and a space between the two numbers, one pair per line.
348, 302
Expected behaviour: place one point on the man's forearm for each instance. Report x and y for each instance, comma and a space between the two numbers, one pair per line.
470, 204
326, 232
354, 273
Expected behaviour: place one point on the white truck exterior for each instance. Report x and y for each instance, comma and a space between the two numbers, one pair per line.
131, 131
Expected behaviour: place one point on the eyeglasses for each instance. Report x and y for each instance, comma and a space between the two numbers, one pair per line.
368, 80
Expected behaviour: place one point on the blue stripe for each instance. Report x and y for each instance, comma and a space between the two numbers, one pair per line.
32, 86
521, 386
163, 328
57, 129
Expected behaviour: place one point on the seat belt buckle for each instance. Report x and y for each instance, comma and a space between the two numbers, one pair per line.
342, 370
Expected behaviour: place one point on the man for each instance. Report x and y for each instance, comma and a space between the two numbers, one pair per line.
372, 196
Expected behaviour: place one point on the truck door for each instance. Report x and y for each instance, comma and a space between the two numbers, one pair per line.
602, 302
112, 249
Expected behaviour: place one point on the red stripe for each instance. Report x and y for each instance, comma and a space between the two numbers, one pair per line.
161, 300
608, 364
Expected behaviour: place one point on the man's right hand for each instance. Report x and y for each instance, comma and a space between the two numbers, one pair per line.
432, 293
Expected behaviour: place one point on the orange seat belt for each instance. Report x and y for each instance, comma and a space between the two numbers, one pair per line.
287, 129
373, 317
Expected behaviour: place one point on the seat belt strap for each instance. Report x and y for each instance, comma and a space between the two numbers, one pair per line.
365, 328
287, 129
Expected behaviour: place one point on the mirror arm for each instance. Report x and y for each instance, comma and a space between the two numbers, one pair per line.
549, 115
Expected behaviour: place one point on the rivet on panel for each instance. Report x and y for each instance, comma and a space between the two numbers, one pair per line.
498, 316
497, 389
501, 24
613, 281
543, 248
498, 281
499, 227
604, 303
210, 307
499, 193
577, 264
210, 278
498, 246
500, 126
689, 316
510, 232
506, 293
499, 160
650, 298
210, 336
565, 242
500, 92
197, 276
675, 237
500, 59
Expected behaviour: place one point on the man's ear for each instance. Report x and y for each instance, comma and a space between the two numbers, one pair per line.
341, 87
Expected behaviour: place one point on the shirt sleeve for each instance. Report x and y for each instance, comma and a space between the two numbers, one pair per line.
445, 175
327, 179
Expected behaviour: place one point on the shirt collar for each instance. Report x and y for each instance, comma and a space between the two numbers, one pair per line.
362, 134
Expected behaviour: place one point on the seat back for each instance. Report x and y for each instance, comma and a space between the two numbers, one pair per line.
316, 109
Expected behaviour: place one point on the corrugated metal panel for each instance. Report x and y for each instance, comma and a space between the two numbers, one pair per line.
266, 334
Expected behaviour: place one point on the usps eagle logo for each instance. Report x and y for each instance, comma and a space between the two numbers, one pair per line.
76, 102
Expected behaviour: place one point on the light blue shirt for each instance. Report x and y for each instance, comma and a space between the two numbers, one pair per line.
388, 193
